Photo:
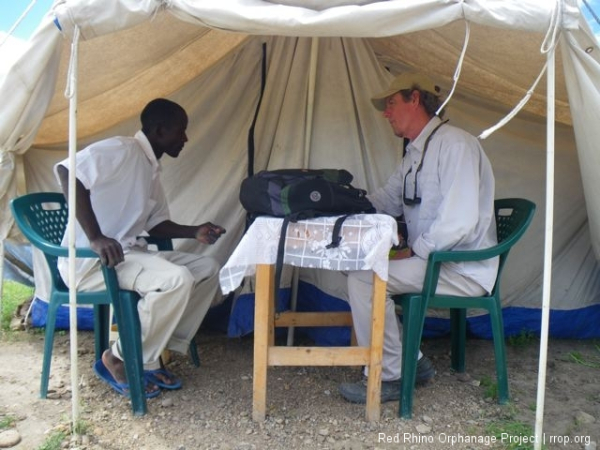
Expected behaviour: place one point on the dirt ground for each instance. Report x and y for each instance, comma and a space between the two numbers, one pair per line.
305, 411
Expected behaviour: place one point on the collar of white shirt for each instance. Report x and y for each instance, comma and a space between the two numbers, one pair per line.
145, 144
419, 142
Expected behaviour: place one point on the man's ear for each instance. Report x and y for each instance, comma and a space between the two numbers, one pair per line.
151, 132
159, 129
415, 97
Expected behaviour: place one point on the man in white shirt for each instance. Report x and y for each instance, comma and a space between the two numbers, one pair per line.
444, 187
119, 198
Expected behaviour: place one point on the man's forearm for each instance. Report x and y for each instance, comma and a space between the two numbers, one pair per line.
207, 233
169, 229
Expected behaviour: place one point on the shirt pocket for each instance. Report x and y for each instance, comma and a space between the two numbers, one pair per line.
429, 191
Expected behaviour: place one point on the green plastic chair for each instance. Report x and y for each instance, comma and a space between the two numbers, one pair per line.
42, 218
513, 216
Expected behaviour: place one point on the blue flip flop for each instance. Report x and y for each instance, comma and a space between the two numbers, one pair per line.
121, 388
151, 376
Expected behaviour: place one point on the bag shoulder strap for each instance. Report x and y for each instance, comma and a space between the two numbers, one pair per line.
279, 259
336, 237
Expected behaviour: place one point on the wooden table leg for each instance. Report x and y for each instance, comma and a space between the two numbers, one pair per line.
376, 350
263, 337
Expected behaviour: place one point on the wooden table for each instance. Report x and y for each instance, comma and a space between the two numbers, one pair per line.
366, 240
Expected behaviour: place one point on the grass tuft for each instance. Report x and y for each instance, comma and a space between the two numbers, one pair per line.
490, 387
512, 434
54, 441
587, 361
13, 294
7, 422
524, 339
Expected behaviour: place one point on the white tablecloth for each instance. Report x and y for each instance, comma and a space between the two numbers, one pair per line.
365, 245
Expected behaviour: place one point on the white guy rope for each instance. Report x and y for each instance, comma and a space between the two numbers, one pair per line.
548, 46
458, 67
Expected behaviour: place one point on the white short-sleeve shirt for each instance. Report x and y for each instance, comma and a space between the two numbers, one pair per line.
122, 175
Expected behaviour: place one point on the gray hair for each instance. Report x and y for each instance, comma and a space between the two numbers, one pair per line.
430, 102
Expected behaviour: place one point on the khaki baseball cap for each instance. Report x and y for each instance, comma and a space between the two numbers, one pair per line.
404, 81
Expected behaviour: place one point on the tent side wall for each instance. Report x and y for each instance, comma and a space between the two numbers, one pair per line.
203, 183
220, 91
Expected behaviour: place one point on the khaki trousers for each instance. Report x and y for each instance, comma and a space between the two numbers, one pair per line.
176, 291
405, 275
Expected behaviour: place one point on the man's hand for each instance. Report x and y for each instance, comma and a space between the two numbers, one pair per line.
404, 253
209, 233
109, 250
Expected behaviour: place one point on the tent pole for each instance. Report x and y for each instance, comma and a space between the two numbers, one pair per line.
71, 94
541, 384
312, 76
310, 104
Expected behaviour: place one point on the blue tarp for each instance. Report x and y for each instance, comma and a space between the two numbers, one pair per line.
237, 319
565, 324
216, 319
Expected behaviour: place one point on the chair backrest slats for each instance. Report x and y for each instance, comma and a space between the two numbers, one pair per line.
49, 220
42, 217
513, 216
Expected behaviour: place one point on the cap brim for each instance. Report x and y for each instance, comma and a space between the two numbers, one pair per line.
378, 100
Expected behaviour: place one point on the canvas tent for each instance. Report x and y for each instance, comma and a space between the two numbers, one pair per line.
323, 61
322, 65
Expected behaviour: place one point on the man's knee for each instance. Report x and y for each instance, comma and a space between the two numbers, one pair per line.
198, 265
203, 268
184, 277
213, 266
359, 278
360, 284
